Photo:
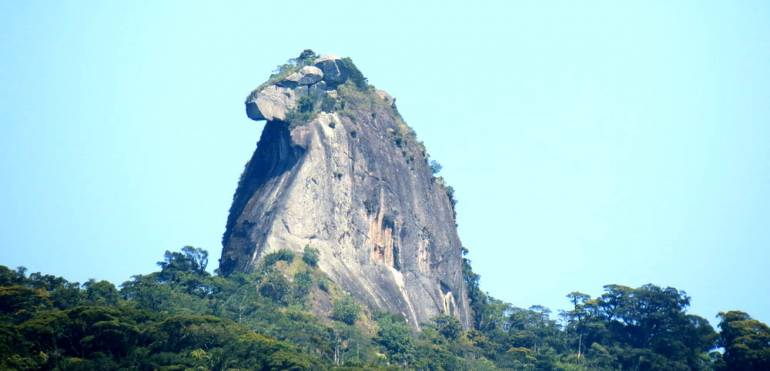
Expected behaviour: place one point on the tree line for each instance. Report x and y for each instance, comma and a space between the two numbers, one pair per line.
286, 315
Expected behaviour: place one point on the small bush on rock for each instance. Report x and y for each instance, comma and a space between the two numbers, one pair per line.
310, 256
346, 310
281, 255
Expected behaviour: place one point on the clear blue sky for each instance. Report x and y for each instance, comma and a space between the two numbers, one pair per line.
612, 143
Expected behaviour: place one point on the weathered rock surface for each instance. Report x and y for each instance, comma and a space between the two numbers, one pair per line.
271, 103
307, 75
386, 97
333, 69
290, 81
357, 187
310, 75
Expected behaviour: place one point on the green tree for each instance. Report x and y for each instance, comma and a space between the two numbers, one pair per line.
275, 287
645, 327
21, 302
190, 259
271, 259
310, 256
395, 337
435, 167
303, 282
305, 58
575, 321
346, 310
101, 292
448, 326
476, 297
746, 342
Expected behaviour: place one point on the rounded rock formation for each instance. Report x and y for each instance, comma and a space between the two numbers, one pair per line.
310, 75
271, 103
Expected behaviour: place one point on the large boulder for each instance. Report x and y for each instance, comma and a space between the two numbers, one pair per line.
291, 81
334, 72
271, 103
307, 75
310, 75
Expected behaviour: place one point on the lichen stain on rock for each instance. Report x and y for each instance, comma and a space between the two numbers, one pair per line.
380, 237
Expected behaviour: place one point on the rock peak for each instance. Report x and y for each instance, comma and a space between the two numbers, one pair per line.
337, 169
305, 75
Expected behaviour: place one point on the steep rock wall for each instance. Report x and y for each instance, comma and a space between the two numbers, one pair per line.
354, 184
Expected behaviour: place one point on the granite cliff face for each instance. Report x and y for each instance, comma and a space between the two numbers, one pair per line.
337, 169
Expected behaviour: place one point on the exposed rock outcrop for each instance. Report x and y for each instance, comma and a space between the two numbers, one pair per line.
333, 69
271, 103
345, 175
307, 75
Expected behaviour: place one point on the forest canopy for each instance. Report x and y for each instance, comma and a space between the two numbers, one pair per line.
182, 317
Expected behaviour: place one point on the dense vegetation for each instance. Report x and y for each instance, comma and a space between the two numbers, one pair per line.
182, 317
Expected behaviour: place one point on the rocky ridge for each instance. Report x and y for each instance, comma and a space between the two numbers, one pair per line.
337, 169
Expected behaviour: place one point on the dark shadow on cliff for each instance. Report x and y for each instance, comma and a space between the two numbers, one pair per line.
275, 154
